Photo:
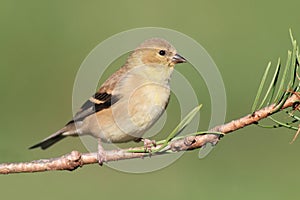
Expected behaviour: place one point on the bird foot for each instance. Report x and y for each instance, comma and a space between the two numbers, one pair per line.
148, 144
101, 157
101, 154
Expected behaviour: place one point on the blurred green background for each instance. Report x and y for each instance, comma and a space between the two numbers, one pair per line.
42, 44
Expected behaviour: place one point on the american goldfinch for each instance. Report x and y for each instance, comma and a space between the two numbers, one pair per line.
129, 102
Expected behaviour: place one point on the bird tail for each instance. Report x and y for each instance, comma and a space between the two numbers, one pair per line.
55, 137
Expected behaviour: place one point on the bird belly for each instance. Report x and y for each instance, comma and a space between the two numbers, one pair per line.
131, 116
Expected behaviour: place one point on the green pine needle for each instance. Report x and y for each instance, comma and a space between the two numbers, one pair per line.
260, 88
272, 86
274, 81
282, 124
281, 90
186, 120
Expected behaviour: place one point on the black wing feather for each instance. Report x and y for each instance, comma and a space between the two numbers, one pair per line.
90, 107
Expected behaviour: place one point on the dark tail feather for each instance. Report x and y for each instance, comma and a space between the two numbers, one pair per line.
47, 142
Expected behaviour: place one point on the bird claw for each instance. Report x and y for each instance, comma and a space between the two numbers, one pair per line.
148, 144
101, 157
101, 154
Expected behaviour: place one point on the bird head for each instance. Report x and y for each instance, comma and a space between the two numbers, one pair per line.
156, 51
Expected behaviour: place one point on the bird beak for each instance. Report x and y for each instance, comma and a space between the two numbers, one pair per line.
178, 59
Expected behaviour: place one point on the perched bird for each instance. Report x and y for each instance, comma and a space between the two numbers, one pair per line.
129, 102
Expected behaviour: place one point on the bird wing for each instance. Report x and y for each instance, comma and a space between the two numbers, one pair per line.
102, 99
97, 102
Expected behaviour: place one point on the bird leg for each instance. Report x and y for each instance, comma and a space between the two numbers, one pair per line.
101, 154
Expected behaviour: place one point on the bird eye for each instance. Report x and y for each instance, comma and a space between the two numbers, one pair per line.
162, 52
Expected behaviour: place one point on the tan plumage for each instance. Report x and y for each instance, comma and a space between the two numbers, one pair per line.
129, 102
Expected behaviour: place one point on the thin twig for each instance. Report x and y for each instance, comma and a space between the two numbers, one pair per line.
75, 159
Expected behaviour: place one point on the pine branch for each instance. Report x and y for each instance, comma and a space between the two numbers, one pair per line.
76, 159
